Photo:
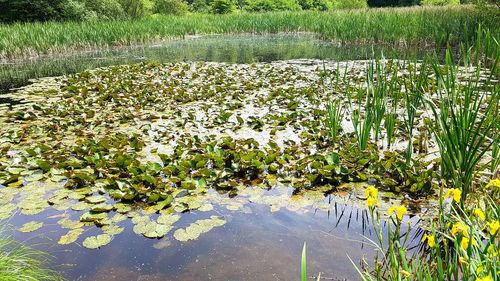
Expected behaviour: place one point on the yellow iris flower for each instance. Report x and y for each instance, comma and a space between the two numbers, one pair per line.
400, 211
431, 240
454, 193
480, 214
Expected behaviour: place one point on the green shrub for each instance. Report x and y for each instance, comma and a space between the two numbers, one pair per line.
136, 8
77, 11
201, 6
440, 2
31, 10
272, 5
170, 7
319, 5
222, 6
105, 9
348, 4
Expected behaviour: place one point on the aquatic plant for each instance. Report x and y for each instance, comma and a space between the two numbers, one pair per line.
464, 122
335, 117
460, 245
19, 262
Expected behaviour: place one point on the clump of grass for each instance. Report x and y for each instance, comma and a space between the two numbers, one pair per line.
464, 122
19, 262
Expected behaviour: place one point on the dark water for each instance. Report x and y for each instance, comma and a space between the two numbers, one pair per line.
226, 48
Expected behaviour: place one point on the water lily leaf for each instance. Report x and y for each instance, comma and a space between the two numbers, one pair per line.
112, 229
93, 217
95, 199
31, 226
168, 219
70, 237
7, 210
95, 242
80, 206
103, 207
194, 230
69, 223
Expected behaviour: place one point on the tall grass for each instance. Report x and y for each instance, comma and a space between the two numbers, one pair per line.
464, 122
415, 25
19, 262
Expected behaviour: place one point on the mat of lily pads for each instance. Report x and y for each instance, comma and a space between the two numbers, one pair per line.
149, 142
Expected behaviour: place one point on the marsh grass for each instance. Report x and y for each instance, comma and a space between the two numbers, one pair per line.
423, 26
19, 262
463, 122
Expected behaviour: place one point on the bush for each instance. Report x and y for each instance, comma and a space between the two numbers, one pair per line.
222, 6
272, 5
77, 11
136, 8
200, 6
31, 10
105, 9
348, 4
319, 5
440, 2
170, 7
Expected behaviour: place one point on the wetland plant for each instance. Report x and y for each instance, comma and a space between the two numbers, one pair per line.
19, 262
335, 116
464, 123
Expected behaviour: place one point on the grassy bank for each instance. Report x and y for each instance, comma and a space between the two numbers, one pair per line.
416, 25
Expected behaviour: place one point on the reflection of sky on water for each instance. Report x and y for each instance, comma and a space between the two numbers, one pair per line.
260, 245
224, 48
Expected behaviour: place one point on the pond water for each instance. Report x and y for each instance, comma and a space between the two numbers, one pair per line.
222, 48
262, 234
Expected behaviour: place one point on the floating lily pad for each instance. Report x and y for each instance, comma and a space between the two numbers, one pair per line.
194, 230
70, 237
95, 242
31, 226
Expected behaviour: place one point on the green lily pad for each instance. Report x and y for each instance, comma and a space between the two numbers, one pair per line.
95, 242
194, 230
70, 237
31, 226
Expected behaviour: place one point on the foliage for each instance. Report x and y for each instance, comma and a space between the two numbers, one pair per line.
440, 2
19, 262
430, 25
31, 10
105, 9
170, 7
136, 8
271, 5
348, 4
222, 6
460, 245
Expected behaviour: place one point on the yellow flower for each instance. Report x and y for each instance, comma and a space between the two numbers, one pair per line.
493, 182
462, 260
485, 278
405, 273
466, 241
455, 193
460, 228
371, 191
400, 211
480, 214
493, 226
431, 240
371, 201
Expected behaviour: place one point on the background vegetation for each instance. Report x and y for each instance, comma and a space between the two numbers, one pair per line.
88, 10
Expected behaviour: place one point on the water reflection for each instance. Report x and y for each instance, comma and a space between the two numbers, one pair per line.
225, 48
256, 245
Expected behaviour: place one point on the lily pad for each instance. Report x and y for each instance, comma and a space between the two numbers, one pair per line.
95, 242
31, 226
70, 237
